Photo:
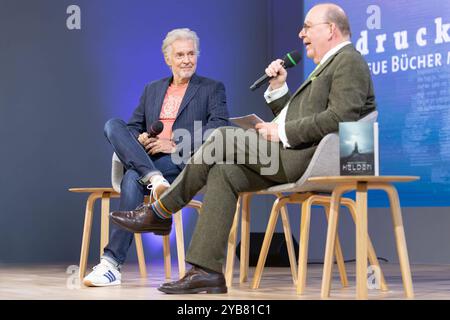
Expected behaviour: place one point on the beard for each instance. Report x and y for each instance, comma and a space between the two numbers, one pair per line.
186, 73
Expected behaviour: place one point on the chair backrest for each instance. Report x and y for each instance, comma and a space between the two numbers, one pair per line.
325, 162
116, 172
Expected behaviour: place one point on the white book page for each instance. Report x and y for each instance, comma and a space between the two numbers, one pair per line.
247, 122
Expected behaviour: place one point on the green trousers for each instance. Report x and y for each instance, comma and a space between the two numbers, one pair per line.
229, 162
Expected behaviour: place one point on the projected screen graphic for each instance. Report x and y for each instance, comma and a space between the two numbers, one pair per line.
407, 47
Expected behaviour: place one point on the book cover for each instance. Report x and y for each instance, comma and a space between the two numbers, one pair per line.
358, 147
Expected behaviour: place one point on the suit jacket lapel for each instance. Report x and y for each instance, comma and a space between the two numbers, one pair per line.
318, 71
160, 94
190, 92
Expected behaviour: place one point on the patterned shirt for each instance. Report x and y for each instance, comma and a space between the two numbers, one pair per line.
170, 106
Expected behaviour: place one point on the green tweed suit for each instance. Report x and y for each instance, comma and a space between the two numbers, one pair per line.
340, 90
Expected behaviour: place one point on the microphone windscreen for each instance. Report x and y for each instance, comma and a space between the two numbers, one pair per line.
291, 59
156, 128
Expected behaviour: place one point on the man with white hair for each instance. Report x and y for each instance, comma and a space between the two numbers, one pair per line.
177, 101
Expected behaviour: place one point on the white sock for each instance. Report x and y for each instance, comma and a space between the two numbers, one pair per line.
156, 179
109, 264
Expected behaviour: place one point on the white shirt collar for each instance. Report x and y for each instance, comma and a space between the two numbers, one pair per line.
333, 51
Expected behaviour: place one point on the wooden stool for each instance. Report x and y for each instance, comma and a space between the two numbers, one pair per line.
105, 194
307, 200
361, 184
324, 200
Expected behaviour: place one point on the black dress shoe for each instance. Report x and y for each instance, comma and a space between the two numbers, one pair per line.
196, 280
142, 219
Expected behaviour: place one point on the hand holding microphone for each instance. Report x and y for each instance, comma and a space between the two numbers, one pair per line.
277, 74
277, 71
152, 143
155, 129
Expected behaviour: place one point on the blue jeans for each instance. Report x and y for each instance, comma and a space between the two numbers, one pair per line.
137, 164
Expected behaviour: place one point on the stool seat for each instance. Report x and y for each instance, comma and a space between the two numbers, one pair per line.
355, 179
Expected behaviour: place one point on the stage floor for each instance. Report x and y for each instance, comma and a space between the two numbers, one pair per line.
60, 282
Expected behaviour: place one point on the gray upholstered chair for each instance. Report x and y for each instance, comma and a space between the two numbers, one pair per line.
325, 162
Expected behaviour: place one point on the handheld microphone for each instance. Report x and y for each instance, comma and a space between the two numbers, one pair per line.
155, 129
289, 60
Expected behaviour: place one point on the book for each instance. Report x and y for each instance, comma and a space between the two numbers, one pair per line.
358, 148
247, 122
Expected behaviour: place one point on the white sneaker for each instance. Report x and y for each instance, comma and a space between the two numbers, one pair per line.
158, 185
104, 274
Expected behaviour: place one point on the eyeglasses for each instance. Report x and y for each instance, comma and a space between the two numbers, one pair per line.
307, 27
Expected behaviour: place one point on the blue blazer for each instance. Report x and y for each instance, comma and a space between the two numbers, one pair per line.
203, 101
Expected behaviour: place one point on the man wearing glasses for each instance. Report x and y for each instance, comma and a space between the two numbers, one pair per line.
339, 89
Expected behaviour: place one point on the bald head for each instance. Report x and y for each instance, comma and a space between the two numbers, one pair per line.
326, 26
335, 14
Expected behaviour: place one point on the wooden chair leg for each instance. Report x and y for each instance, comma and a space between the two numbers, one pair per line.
361, 241
245, 237
87, 233
289, 242
330, 242
178, 220
167, 258
338, 254
229, 267
267, 239
304, 240
140, 255
400, 240
351, 205
104, 221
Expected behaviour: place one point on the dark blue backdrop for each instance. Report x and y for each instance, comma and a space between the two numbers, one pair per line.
59, 86
413, 98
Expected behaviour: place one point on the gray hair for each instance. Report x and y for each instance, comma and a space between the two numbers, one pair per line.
336, 15
177, 34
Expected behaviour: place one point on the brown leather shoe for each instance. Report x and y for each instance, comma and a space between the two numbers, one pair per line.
142, 219
196, 280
